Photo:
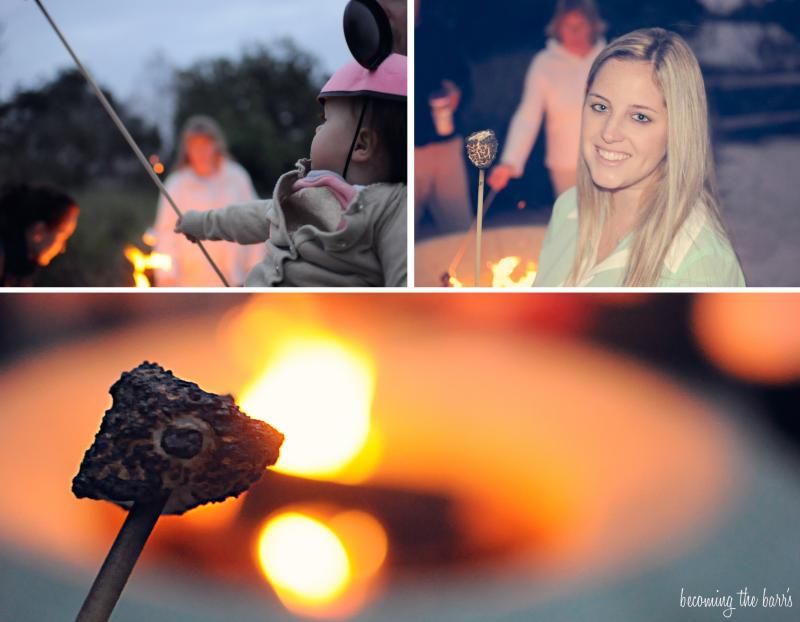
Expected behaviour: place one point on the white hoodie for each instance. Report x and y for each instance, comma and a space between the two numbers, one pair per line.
555, 86
230, 184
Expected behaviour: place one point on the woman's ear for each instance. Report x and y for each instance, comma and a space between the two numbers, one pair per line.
366, 145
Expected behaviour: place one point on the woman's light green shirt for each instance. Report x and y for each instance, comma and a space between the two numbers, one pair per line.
698, 257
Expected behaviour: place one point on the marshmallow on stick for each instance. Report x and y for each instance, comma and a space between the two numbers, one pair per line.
481, 150
165, 446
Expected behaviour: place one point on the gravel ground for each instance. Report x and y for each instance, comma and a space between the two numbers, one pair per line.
760, 192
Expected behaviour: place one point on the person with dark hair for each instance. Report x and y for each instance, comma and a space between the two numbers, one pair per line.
442, 85
553, 90
339, 218
35, 224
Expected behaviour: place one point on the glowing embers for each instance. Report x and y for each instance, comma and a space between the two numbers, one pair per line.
320, 563
157, 164
144, 264
506, 274
320, 391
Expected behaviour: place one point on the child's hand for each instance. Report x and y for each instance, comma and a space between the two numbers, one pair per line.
178, 229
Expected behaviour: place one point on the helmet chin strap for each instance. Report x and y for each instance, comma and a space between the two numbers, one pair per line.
355, 138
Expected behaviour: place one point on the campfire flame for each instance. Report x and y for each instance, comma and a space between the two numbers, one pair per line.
303, 559
454, 282
318, 392
142, 262
503, 269
321, 567
502, 274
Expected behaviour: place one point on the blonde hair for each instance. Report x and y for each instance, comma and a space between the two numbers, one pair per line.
199, 124
684, 180
587, 7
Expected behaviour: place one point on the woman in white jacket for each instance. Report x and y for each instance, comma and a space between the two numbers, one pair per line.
554, 89
204, 178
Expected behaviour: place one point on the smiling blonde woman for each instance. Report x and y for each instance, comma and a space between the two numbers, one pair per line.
645, 210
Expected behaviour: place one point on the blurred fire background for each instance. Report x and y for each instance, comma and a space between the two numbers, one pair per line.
749, 344
530, 457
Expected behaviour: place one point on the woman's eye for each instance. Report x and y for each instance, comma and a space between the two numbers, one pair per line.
641, 118
599, 107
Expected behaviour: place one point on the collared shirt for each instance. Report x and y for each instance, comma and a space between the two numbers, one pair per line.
699, 256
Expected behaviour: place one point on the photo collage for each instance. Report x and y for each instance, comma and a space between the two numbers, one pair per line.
363, 311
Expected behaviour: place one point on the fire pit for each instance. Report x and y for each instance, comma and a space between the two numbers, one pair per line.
468, 483
435, 257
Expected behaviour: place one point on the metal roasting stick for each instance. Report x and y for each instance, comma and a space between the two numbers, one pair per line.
119, 562
121, 127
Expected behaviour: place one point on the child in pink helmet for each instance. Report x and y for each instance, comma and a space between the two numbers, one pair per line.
339, 218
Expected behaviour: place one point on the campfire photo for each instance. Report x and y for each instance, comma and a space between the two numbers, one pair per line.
151, 132
434, 457
241, 381
598, 170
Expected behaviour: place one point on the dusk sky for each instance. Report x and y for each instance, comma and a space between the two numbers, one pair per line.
118, 41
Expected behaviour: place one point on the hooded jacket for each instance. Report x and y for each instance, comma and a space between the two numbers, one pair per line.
554, 86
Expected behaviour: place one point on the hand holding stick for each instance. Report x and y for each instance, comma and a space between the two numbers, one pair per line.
481, 150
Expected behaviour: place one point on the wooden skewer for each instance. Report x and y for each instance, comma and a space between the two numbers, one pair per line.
119, 562
481, 150
452, 269
125, 134
479, 229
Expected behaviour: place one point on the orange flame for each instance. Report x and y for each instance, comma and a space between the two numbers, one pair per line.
454, 282
321, 566
318, 391
502, 274
142, 262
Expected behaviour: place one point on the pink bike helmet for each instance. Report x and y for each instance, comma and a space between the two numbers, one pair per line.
375, 72
387, 81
